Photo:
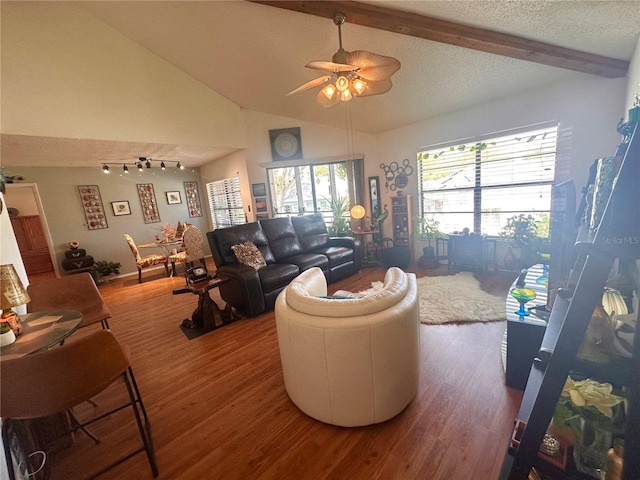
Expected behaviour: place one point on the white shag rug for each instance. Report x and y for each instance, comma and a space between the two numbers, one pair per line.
455, 298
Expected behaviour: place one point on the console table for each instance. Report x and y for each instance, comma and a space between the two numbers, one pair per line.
524, 334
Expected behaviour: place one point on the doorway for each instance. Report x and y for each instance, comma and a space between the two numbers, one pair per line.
31, 229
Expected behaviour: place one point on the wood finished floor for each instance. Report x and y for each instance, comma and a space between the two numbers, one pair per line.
219, 409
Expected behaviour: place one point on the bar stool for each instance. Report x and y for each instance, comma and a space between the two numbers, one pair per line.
55, 380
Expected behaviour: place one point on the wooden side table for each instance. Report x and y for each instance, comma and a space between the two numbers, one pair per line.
207, 314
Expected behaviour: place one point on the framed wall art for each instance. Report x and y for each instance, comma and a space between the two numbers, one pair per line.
193, 199
286, 143
148, 201
259, 189
173, 197
374, 192
261, 204
121, 207
93, 208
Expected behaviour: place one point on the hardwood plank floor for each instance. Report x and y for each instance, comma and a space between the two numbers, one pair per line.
219, 409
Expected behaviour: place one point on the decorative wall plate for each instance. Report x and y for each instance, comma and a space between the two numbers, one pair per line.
193, 199
148, 202
286, 144
92, 206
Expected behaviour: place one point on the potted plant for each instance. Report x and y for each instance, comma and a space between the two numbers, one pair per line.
340, 227
427, 229
7, 337
106, 269
523, 232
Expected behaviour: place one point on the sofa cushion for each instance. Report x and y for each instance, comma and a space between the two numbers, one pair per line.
248, 254
282, 237
304, 261
225, 238
336, 255
277, 275
311, 231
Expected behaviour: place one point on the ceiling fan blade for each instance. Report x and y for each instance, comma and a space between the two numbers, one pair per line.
322, 99
310, 84
330, 66
373, 66
376, 88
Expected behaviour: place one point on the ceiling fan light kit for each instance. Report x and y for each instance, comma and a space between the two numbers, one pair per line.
353, 74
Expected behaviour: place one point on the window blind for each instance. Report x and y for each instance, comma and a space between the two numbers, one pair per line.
480, 183
226, 203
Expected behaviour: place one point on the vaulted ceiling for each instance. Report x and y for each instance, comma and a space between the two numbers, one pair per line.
253, 53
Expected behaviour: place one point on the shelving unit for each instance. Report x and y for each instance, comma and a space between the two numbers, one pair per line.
618, 236
402, 223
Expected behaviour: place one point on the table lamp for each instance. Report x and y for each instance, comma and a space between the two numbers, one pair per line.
357, 212
13, 294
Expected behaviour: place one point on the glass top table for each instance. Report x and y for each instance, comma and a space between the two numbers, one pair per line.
533, 281
41, 331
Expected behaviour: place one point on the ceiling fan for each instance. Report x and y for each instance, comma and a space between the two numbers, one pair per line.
356, 74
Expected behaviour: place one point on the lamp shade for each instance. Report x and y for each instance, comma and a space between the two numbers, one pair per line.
12, 291
357, 211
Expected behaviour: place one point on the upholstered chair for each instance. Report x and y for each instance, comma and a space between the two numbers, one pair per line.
354, 361
147, 261
192, 241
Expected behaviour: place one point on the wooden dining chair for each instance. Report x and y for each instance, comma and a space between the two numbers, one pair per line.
55, 380
192, 241
147, 261
72, 292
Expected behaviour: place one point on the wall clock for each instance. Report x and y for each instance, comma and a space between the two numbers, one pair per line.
286, 144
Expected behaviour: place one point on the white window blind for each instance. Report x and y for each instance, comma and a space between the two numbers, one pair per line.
226, 203
480, 183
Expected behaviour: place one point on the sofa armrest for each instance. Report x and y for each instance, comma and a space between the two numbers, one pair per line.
244, 291
349, 242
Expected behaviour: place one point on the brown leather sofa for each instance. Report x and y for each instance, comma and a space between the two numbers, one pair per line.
289, 245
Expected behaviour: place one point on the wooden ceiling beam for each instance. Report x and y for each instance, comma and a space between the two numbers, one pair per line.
451, 33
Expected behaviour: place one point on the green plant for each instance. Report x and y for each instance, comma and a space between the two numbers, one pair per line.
339, 207
105, 268
427, 229
4, 327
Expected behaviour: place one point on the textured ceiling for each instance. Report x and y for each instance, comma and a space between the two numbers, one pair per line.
253, 54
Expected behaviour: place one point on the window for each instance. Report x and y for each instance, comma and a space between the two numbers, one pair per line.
315, 188
226, 203
479, 184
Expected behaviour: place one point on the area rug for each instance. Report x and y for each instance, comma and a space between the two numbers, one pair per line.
455, 298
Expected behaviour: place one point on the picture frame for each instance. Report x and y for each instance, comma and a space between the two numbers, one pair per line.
173, 197
120, 208
374, 196
261, 205
286, 144
259, 189
93, 206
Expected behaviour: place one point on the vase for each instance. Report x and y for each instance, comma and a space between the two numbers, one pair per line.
590, 451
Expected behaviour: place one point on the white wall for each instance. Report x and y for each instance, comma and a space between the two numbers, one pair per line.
67, 74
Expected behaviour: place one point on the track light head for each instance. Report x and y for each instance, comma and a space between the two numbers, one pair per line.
162, 166
125, 169
105, 168
139, 165
180, 166
148, 164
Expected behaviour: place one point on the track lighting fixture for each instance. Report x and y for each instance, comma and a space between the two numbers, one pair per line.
146, 161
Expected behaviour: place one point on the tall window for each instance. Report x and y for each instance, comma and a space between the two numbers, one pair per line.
303, 189
226, 203
479, 184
